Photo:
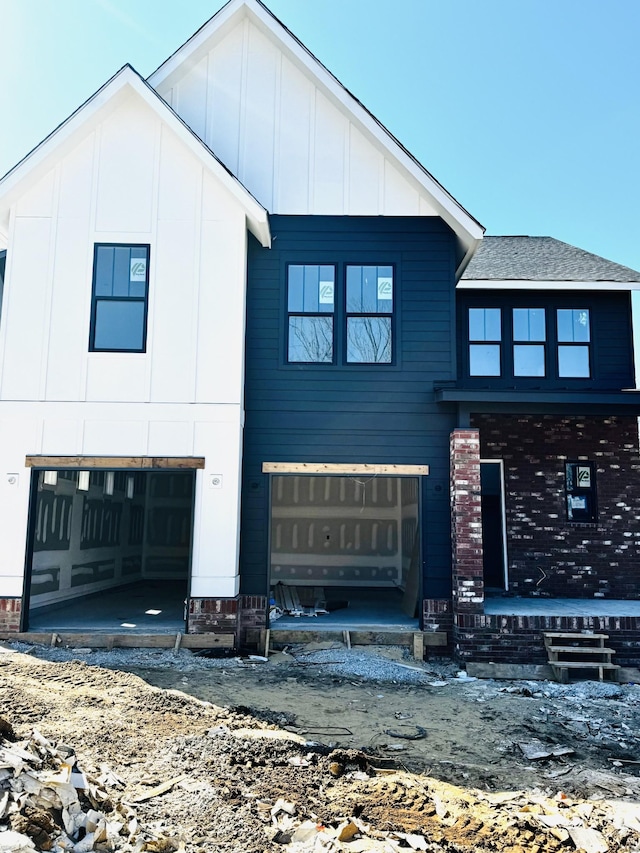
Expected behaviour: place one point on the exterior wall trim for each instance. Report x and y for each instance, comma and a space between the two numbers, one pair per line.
339, 468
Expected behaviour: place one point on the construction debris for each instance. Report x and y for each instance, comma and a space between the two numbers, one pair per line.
48, 803
535, 750
156, 770
299, 600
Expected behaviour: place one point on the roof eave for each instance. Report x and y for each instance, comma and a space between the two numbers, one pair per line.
533, 284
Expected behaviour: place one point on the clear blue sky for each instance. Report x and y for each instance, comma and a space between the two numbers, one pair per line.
528, 111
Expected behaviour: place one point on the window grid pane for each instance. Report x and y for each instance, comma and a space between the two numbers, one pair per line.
573, 362
484, 359
528, 360
119, 324
369, 290
529, 324
573, 325
310, 339
369, 340
104, 271
310, 289
485, 324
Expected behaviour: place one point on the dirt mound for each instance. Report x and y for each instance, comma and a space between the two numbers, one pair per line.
180, 774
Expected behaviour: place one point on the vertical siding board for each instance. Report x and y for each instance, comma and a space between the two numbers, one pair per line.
224, 99
351, 413
259, 122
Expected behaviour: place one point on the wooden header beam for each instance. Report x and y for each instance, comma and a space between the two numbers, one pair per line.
337, 468
50, 463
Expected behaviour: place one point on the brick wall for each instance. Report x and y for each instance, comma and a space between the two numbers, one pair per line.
227, 616
10, 610
251, 615
518, 639
438, 612
466, 522
547, 556
212, 615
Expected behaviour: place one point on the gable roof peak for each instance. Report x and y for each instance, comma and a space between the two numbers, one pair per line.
58, 142
466, 228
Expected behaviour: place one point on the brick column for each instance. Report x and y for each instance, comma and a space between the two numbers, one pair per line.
466, 522
10, 610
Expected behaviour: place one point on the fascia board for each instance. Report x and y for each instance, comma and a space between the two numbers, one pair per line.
468, 229
43, 157
528, 284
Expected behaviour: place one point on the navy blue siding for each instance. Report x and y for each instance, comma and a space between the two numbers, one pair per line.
611, 336
352, 413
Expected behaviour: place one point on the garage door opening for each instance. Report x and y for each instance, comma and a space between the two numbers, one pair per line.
345, 552
110, 551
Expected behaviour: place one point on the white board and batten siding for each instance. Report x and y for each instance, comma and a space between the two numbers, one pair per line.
129, 179
294, 145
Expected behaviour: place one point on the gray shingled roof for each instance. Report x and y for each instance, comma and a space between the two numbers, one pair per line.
541, 259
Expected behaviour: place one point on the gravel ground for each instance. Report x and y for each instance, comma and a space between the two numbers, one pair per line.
376, 664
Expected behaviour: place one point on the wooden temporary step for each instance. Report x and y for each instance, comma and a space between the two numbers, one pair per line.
579, 651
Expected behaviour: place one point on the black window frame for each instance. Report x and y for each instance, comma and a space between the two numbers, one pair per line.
290, 315
340, 313
492, 342
350, 314
588, 344
508, 378
529, 342
575, 490
96, 299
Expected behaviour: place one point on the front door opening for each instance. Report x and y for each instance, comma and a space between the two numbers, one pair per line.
110, 550
345, 551
493, 540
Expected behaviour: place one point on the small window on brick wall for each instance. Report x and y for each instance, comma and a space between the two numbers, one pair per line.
580, 485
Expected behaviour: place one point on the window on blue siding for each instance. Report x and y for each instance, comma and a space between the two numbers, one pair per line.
529, 328
119, 298
485, 337
369, 314
310, 311
574, 339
